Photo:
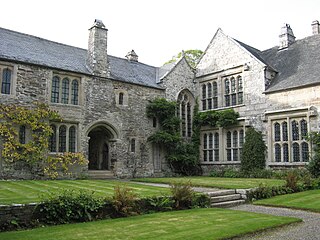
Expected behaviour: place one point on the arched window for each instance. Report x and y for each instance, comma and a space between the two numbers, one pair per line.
63, 138
227, 92
277, 152
304, 128
240, 84
6, 81
133, 145
189, 122
276, 132
185, 104
72, 139
209, 100
183, 118
284, 131
296, 152
210, 147
233, 92
75, 92
204, 96
55, 89
121, 98
22, 134
214, 95
295, 130
65, 91
305, 151
53, 139
229, 157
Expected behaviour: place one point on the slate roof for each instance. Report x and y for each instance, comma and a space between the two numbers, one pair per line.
296, 66
15, 46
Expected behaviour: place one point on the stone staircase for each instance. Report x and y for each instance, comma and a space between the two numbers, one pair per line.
100, 174
225, 198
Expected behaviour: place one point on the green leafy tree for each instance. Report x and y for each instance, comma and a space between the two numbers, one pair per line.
192, 56
314, 164
253, 153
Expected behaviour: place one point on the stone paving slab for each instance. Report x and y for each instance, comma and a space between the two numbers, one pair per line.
309, 229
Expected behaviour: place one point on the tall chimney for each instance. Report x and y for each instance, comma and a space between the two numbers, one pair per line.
315, 27
286, 37
97, 58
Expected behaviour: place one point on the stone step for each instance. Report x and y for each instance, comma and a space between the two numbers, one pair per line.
221, 193
225, 198
100, 174
228, 204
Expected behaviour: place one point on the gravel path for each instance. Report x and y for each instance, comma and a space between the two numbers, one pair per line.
309, 229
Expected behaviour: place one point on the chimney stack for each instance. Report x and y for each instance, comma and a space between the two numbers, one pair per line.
286, 37
132, 56
315, 27
97, 58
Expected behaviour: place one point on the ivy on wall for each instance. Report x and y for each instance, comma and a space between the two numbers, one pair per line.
182, 155
35, 151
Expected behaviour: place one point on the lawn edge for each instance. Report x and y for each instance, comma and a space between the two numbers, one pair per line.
287, 207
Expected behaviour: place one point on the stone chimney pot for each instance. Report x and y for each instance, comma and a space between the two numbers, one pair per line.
286, 37
315, 27
132, 56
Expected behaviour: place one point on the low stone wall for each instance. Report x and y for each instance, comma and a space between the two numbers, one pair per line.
16, 215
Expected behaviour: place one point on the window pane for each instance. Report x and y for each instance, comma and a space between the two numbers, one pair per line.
53, 139
233, 85
6, 81
214, 89
205, 141
62, 139
241, 138
277, 152
284, 131
235, 155
215, 102
65, 91
229, 139
210, 155
227, 86
205, 157
295, 130
189, 122
22, 134
296, 152
209, 103
183, 119
227, 98
233, 99
55, 89
133, 145
305, 151
304, 128
276, 132
228, 154
210, 140
240, 98
72, 139
121, 98
285, 152
75, 92
204, 91
216, 146
240, 85
204, 104
235, 139
209, 90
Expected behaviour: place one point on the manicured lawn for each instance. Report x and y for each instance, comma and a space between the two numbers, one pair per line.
188, 224
31, 191
229, 183
308, 200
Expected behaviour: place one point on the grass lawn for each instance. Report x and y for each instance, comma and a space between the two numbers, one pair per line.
308, 200
31, 190
189, 224
229, 183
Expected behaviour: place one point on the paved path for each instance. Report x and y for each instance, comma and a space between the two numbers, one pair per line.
309, 229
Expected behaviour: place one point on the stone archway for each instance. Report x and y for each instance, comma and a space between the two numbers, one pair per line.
100, 136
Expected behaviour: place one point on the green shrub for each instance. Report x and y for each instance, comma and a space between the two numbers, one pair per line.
182, 194
253, 153
70, 206
264, 191
201, 201
124, 200
158, 204
292, 181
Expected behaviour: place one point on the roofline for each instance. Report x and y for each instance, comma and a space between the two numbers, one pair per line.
292, 88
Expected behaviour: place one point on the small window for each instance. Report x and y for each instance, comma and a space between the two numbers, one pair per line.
121, 98
22, 134
75, 92
72, 139
6, 81
133, 145
62, 139
154, 122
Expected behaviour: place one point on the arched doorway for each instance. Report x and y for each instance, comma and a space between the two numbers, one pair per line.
100, 137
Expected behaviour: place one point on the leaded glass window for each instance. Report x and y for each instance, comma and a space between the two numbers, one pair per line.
284, 131
304, 128
285, 152
277, 152
295, 130
216, 146
296, 152
276, 132
75, 92
233, 85
55, 89
53, 139
305, 151
240, 84
65, 91
215, 95
6, 81
241, 138
133, 145
63, 138
205, 147
72, 139
227, 86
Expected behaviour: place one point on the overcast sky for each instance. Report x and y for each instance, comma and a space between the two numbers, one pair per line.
158, 29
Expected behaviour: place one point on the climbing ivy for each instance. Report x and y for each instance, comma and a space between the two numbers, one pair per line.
182, 155
33, 152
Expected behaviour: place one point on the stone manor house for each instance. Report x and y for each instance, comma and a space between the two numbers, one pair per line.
103, 98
